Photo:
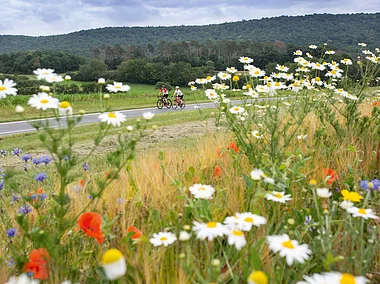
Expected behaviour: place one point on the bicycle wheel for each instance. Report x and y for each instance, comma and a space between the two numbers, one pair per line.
169, 103
160, 104
175, 104
183, 104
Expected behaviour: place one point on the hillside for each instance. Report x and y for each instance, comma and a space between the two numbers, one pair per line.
343, 31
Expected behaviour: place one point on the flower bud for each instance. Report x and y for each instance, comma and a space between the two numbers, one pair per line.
106, 96
67, 77
186, 227
19, 109
101, 81
291, 221
82, 112
182, 255
215, 262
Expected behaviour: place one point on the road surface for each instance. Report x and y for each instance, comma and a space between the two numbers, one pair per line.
16, 127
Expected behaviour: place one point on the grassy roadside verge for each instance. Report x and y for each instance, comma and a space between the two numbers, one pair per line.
84, 133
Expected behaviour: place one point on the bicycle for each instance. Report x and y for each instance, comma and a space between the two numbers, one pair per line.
161, 103
178, 102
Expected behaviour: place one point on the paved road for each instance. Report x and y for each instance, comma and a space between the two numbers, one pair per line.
9, 128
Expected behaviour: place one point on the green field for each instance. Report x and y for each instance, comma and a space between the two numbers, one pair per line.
139, 96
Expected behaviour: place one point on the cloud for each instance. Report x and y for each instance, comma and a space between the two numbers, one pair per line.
43, 17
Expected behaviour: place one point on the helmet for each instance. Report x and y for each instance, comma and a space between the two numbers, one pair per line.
177, 87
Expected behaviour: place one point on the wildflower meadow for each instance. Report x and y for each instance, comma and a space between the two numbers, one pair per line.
285, 191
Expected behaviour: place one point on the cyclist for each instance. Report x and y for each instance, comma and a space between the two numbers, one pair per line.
164, 93
178, 95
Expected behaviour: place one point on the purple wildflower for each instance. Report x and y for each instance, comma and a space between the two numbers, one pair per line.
40, 177
46, 159
16, 151
15, 198
3, 153
26, 157
1, 184
11, 262
373, 184
86, 167
12, 232
24, 210
42, 196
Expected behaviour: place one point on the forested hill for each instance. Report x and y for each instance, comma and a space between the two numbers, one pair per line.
343, 31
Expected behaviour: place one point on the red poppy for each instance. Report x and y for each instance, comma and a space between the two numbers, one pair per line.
333, 176
91, 223
217, 172
40, 191
137, 233
82, 182
233, 147
218, 152
376, 104
38, 264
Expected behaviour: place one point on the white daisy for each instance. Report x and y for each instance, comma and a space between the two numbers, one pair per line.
237, 238
346, 204
43, 101
209, 230
323, 192
201, 81
282, 68
54, 78
256, 134
184, 236
210, 79
244, 221
329, 52
22, 279
343, 278
232, 70
65, 109
163, 238
117, 87
278, 196
313, 46
148, 115
114, 265
298, 52
245, 60
7, 88
302, 137
237, 110
212, 94
346, 61
43, 73
314, 279
360, 212
224, 76
114, 118
257, 174
289, 248
202, 191
256, 72
262, 88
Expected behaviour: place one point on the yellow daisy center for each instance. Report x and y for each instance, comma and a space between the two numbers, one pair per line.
288, 244
347, 279
248, 219
3, 88
117, 86
211, 225
245, 58
258, 277
111, 115
257, 72
248, 86
235, 78
236, 109
163, 239
44, 101
362, 211
278, 195
64, 104
201, 189
333, 72
111, 256
208, 78
237, 233
317, 79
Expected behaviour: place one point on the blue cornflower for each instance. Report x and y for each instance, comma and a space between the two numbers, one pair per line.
3, 153
86, 167
373, 184
66, 158
24, 209
16, 151
36, 161
11, 262
26, 157
45, 159
32, 196
12, 232
42, 196
40, 177
15, 198
1, 184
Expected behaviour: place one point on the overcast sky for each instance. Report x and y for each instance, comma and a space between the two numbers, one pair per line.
46, 17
